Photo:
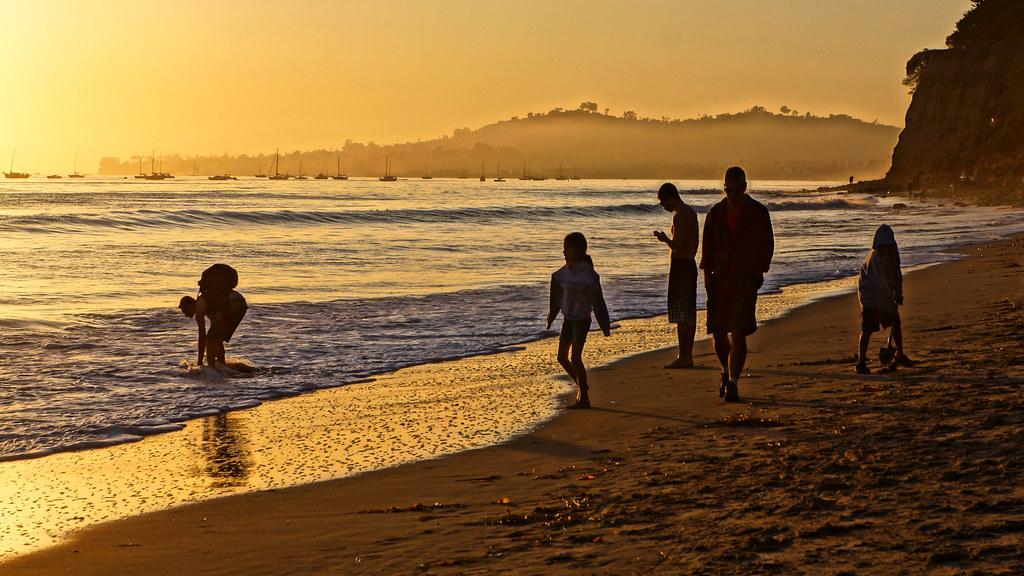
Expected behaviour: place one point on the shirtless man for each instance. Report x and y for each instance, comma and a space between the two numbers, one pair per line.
682, 275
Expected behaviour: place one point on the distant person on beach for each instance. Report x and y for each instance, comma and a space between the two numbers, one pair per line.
738, 249
880, 291
682, 274
222, 305
576, 292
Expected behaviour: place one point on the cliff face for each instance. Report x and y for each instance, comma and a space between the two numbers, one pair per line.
965, 125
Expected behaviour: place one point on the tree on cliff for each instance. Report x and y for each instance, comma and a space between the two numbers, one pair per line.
964, 123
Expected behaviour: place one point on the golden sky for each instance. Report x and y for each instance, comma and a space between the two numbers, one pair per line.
113, 77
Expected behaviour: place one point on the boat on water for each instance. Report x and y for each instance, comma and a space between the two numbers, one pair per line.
12, 173
300, 176
483, 178
426, 174
560, 176
260, 174
153, 173
222, 177
322, 175
499, 178
277, 168
388, 176
75, 174
338, 175
53, 176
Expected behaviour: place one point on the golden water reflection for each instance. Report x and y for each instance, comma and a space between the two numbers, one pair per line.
414, 414
225, 450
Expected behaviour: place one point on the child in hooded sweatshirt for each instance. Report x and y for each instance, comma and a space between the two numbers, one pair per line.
880, 291
576, 291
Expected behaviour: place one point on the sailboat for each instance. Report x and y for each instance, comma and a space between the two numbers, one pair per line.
499, 178
153, 174
426, 174
560, 176
54, 177
277, 167
75, 174
482, 177
322, 175
12, 173
387, 177
300, 176
338, 175
141, 174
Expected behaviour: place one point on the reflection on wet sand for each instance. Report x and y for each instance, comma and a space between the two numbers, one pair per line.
225, 451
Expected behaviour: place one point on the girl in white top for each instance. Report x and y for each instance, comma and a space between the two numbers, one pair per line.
576, 292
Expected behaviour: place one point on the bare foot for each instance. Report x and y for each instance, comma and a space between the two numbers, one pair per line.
679, 363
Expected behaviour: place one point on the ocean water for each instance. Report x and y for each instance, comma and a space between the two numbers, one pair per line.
347, 279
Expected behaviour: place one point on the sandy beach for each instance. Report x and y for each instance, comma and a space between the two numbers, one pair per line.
818, 471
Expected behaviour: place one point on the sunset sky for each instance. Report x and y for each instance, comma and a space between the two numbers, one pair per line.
112, 77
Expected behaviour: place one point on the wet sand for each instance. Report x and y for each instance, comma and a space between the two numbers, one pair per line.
818, 471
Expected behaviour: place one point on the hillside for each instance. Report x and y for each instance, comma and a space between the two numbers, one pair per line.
964, 127
595, 145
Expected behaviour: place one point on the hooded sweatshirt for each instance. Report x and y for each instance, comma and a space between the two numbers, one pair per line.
881, 281
576, 292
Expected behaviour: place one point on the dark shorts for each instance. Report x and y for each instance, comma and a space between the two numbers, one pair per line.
732, 311
682, 291
875, 319
575, 331
223, 326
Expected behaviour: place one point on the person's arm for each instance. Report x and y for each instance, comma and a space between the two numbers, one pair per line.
898, 273
600, 307
684, 236
707, 249
768, 247
554, 302
201, 323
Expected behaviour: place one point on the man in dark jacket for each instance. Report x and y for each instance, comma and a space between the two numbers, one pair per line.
738, 248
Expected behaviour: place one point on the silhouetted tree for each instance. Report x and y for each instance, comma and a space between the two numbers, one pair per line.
589, 106
785, 109
629, 115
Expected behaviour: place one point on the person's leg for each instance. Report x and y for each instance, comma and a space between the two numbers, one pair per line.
687, 333
862, 352
212, 351
684, 333
722, 349
738, 356
563, 358
583, 396
897, 338
896, 335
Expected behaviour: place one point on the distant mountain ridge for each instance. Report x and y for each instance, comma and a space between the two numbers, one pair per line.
586, 143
